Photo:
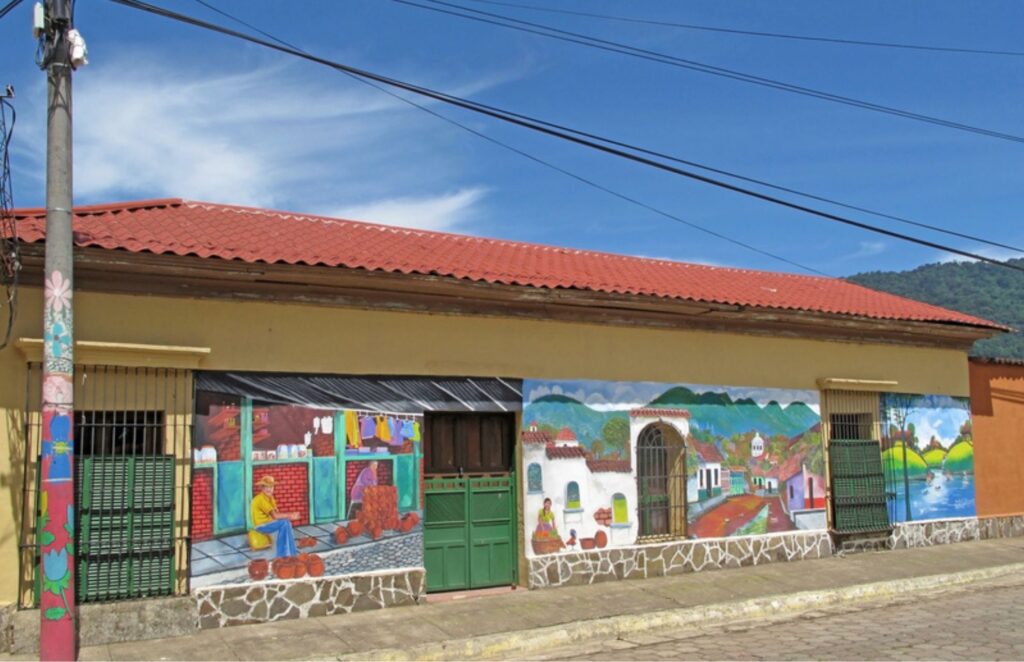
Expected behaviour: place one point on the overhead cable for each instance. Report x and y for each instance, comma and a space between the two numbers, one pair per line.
550, 32
749, 33
535, 159
734, 175
6, 9
536, 126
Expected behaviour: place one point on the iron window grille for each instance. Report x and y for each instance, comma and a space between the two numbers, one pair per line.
132, 432
661, 484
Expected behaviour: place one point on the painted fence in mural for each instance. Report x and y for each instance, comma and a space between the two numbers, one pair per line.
287, 491
928, 456
751, 462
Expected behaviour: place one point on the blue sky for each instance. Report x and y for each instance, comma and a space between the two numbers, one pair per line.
166, 110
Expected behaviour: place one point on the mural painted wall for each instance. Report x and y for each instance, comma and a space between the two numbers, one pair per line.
928, 456
287, 491
713, 461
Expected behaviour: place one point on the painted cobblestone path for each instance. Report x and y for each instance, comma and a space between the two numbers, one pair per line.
978, 623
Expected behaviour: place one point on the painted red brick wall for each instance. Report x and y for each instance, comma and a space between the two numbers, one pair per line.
202, 504
291, 488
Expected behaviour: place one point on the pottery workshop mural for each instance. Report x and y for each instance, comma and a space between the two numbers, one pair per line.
616, 463
291, 480
928, 456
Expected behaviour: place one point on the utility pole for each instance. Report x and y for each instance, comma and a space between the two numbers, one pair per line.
58, 638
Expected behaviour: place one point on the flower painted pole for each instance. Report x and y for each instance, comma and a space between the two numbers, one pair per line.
55, 531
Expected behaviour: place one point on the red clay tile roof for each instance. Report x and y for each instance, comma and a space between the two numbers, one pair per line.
658, 412
535, 437
182, 227
707, 452
565, 452
609, 466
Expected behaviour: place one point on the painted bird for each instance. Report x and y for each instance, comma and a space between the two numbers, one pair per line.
571, 542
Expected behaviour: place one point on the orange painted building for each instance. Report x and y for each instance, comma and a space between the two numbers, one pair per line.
997, 410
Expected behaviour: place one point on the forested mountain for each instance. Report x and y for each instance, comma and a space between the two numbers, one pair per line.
985, 290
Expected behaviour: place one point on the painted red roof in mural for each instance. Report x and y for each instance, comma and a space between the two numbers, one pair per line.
535, 437
609, 466
658, 412
182, 227
793, 465
707, 452
565, 434
565, 452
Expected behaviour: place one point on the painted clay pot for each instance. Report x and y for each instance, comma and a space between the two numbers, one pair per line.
587, 543
258, 569
406, 525
315, 566
340, 535
298, 569
355, 529
601, 539
285, 569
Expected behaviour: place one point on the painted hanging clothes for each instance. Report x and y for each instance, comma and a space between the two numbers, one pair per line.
395, 426
383, 430
352, 431
367, 428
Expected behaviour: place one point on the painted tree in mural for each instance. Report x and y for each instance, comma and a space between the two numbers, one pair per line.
616, 436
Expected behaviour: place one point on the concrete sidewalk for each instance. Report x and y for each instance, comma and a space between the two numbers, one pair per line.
525, 622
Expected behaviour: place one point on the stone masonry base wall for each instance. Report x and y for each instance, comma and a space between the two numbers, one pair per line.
302, 598
672, 558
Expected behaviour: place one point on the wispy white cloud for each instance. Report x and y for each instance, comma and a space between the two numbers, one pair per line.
866, 249
446, 212
267, 136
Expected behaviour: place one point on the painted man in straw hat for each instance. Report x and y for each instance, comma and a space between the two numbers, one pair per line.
267, 519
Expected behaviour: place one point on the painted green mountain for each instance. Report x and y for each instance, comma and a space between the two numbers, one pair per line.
960, 457
559, 411
892, 461
933, 457
715, 413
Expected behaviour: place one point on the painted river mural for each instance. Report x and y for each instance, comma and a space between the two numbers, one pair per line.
928, 456
748, 461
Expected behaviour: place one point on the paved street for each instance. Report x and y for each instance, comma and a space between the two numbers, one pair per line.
979, 623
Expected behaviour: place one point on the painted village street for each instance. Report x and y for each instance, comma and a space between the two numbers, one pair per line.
981, 622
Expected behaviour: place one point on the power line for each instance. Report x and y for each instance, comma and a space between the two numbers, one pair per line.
529, 156
8, 7
750, 33
693, 65
535, 126
734, 175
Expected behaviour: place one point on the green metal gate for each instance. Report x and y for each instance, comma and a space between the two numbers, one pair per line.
469, 531
858, 486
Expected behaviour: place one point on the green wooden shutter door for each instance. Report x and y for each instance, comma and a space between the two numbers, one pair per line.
858, 486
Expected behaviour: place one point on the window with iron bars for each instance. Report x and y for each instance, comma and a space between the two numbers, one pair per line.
661, 484
132, 474
851, 426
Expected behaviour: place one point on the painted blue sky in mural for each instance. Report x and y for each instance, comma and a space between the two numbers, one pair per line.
938, 416
617, 396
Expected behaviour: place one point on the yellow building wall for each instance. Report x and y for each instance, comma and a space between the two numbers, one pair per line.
295, 338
